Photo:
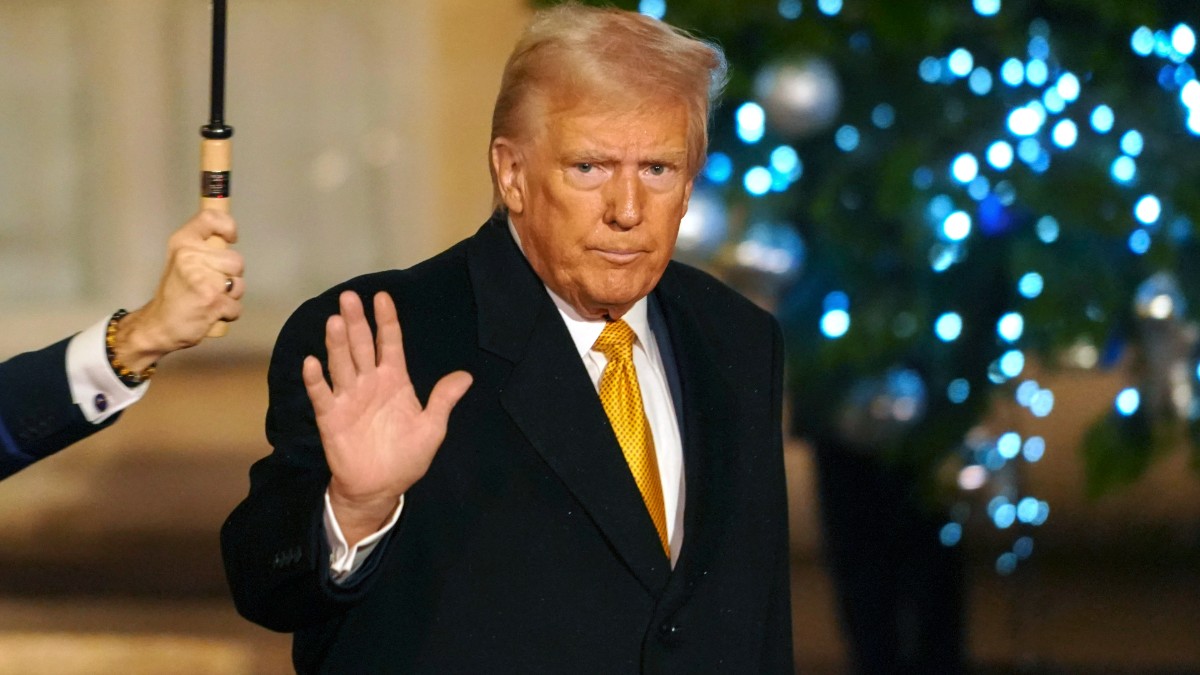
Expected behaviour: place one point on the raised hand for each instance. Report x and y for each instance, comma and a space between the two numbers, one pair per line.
200, 285
378, 438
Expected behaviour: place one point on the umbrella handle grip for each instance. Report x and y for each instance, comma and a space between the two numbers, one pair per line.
215, 161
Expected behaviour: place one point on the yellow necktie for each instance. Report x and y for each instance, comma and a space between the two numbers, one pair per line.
622, 400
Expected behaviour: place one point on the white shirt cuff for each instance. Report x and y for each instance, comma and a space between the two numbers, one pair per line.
345, 560
95, 388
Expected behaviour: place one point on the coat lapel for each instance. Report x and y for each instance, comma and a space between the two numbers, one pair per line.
551, 400
706, 432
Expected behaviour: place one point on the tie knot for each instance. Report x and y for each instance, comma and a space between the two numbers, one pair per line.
616, 340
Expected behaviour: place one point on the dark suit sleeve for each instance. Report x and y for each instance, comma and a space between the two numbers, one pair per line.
274, 546
777, 645
37, 416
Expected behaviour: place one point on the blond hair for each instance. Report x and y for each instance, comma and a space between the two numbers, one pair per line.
570, 53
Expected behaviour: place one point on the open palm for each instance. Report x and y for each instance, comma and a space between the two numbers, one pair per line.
378, 438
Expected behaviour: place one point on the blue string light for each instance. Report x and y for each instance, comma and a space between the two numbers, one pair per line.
1065, 133
757, 181
1034, 449
1030, 286
960, 62
1139, 242
930, 69
987, 7
1183, 40
847, 138
719, 168
1000, 155
948, 327
1132, 143
653, 8
1103, 119
1042, 403
956, 226
958, 391
980, 81
964, 168
1012, 363
1124, 169
1047, 229
835, 324
1148, 210
1010, 327
1068, 87
751, 122
883, 116
1142, 41
1009, 445
829, 7
1036, 72
950, 534
1012, 72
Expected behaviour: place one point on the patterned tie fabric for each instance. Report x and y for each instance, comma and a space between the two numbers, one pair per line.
622, 400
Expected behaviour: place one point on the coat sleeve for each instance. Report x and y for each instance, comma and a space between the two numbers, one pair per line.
273, 543
37, 416
777, 654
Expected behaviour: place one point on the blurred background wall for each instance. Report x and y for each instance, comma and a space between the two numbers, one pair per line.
361, 131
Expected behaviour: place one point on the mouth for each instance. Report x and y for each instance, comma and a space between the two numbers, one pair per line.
618, 256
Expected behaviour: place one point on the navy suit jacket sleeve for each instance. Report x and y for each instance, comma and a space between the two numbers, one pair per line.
37, 416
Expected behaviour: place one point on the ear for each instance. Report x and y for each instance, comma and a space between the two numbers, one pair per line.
508, 166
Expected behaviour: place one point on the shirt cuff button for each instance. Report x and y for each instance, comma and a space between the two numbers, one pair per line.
101, 402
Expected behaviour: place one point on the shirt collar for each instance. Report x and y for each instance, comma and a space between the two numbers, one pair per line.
584, 332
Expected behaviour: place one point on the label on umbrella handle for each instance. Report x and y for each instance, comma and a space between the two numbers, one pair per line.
214, 184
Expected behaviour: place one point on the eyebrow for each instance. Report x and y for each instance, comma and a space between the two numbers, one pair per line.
596, 156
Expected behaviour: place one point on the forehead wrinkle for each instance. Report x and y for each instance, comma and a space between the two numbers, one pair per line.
613, 136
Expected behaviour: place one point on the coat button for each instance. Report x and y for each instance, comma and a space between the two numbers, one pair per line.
669, 630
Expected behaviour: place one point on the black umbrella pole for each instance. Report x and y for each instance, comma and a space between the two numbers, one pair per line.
216, 146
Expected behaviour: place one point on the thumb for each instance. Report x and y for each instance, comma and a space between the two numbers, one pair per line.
446, 394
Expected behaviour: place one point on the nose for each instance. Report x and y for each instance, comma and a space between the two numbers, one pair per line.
623, 199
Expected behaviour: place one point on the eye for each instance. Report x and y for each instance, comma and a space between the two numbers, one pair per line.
584, 167
657, 169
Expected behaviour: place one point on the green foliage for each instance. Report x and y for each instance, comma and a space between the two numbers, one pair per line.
1117, 451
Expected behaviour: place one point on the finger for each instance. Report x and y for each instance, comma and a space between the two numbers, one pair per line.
204, 269
388, 336
341, 366
229, 309
211, 223
446, 394
233, 287
226, 262
314, 383
358, 331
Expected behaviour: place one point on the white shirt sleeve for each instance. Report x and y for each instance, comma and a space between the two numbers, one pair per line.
95, 388
344, 559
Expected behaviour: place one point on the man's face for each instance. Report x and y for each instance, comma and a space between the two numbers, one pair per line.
596, 199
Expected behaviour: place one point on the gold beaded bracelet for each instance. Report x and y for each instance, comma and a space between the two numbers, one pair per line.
130, 378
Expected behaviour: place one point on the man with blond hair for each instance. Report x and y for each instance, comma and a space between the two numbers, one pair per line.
595, 482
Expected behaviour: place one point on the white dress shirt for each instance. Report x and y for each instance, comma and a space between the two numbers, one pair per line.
95, 388
656, 399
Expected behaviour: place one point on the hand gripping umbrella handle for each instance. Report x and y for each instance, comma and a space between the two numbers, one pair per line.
216, 148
